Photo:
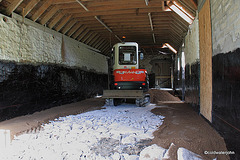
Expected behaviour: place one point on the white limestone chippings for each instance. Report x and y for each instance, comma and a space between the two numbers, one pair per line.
184, 154
111, 133
152, 152
114, 133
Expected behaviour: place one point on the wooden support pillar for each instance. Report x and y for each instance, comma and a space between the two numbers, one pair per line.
205, 39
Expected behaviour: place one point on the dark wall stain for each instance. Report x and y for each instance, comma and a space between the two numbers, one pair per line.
226, 99
25, 88
192, 83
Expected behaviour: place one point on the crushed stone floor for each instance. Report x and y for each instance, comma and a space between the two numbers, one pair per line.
165, 129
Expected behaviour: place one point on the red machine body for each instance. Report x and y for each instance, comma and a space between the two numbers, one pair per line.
130, 79
129, 75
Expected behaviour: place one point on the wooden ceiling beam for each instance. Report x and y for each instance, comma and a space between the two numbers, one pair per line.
95, 39
74, 29
115, 6
29, 7
179, 19
131, 29
68, 26
14, 4
86, 37
41, 10
177, 27
104, 46
79, 31
63, 22
100, 43
106, 51
140, 15
123, 6
122, 2
76, 12
63, 1
83, 34
49, 15
90, 38
136, 21
56, 19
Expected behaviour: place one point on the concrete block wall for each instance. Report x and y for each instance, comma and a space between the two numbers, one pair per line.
225, 25
41, 68
28, 42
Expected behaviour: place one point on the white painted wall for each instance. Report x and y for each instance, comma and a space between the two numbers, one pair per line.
191, 46
28, 42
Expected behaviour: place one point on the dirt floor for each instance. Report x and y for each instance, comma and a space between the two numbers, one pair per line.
182, 126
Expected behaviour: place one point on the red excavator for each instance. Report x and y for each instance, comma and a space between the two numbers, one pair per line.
127, 80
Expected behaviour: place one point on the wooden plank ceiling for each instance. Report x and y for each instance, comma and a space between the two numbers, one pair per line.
81, 20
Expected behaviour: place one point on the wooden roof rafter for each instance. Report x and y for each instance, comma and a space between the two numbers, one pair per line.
29, 7
75, 18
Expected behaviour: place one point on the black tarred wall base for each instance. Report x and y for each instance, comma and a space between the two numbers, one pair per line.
226, 99
25, 88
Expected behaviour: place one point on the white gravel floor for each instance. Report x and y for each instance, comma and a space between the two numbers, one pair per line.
113, 133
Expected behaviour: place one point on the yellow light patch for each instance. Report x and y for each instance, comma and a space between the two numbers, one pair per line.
132, 67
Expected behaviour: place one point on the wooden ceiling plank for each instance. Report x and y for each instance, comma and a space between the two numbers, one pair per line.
49, 15
76, 12
29, 7
13, 6
123, 6
68, 26
55, 20
83, 34
104, 45
63, 22
63, 1
41, 10
91, 38
100, 43
122, 2
106, 49
177, 27
178, 19
79, 31
94, 40
74, 29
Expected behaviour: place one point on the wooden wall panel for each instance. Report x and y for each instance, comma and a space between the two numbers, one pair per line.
205, 36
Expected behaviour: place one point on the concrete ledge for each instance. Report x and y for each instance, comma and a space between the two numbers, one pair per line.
33, 122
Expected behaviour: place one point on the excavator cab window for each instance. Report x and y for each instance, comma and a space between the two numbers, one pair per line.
127, 55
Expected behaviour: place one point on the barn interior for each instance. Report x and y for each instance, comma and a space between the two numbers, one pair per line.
56, 52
